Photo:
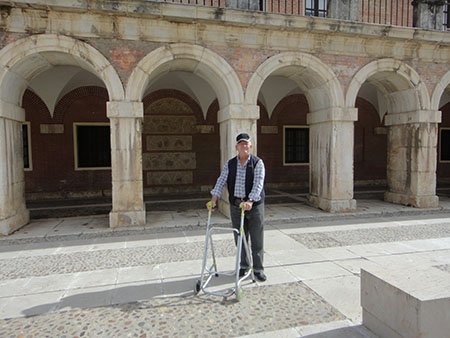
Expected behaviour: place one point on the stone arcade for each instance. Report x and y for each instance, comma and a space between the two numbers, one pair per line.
142, 67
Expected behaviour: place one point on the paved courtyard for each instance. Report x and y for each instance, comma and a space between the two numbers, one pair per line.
75, 277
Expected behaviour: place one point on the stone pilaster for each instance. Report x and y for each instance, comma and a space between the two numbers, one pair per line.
411, 160
428, 14
126, 164
331, 159
13, 211
344, 9
253, 5
235, 119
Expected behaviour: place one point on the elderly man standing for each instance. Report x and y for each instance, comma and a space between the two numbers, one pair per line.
244, 175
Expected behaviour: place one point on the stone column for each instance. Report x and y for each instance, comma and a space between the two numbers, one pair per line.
126, 164
428, 14
344, 9
331, 159
235, 119
13, 211
411, 160
253, 5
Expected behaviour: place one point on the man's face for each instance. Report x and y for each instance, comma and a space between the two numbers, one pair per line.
243, 148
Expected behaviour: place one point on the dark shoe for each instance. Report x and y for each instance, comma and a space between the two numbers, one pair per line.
242, 272
260, 276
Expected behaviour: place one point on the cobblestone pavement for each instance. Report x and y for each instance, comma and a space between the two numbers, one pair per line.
139, 283
262, 309
367, 236
106, 259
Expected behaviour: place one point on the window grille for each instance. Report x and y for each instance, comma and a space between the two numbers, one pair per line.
316, 8
296, 145
26, 146
446, 17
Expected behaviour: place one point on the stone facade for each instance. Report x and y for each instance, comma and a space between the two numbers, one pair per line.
234, 69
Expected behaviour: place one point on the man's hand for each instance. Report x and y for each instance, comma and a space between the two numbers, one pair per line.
247, 205
210, 205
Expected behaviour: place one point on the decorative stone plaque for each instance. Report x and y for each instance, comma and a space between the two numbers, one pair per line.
52, 128
269, 129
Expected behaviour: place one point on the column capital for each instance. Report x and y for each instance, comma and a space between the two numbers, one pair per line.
418, 116
238, 112
11, 111
333, 114
124, 109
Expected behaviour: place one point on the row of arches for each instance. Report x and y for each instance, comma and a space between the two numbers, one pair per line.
40, 52
396, 91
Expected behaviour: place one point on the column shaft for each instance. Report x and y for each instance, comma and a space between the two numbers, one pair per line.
331, 159
13, 212
126, 164
235, 119
411, 167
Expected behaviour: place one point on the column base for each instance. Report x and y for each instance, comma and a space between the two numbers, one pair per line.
126, 218
332, 205
430, 201
12, 223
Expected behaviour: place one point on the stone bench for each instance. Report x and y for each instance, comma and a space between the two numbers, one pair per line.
406, 303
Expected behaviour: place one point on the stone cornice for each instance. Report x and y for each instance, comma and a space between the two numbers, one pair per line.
166, 23
192, 13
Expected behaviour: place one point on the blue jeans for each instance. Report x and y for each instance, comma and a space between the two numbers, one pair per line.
253, 228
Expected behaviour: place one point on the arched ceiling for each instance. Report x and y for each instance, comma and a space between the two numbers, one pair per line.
52, 84
187, 82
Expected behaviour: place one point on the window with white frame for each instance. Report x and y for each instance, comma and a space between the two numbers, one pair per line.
92, 146
316, 8
444, 145
26, 141
446, 17
296, 145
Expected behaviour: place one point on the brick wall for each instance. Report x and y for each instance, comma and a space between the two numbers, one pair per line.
291, 110
54, 173
370, 149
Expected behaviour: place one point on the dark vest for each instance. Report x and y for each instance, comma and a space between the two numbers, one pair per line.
249, 176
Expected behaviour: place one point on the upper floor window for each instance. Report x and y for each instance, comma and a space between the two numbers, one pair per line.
316, 8
446, 17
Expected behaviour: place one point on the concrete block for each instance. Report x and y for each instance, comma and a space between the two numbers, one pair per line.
413, 302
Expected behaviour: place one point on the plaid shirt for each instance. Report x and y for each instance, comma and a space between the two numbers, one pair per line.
239, 188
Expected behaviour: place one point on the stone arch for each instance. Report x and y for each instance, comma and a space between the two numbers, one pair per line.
441, 86
314, 78
392, 76
23, 59
191, 58
411, 130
